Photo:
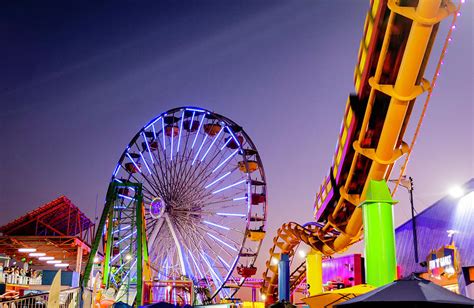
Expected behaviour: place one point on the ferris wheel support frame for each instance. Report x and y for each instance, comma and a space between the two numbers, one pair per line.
106, 224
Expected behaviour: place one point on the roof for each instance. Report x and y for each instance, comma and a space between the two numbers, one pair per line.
59, 217
433, 224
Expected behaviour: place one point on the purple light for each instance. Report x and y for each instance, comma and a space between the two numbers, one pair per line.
154, 132
126, 197
130, 157
197, 133
215, 225
453, 27
192, 120
230, 156
218, 179
195, 264
210, 267
154, 121
180, 130
231, 214
223, 261
148, 148
163, 132
225, 144
121, 229
213, 141
128, 236
227, 187
146, 165
240, 198
233, 136
200, 148
116, 170
194, 109
221, 241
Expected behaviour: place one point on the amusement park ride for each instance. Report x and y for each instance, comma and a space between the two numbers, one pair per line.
185, 212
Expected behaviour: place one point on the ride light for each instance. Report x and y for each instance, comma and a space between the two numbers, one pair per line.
53, 262
27, 250
37, 254
302, 253
128, 257
264, 297
274, 261
61, 265
456, 191
45, 258
96, 260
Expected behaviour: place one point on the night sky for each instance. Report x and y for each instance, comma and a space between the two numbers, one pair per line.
79, 80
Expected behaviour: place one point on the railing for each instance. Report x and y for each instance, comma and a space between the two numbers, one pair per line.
67, 298
20, 279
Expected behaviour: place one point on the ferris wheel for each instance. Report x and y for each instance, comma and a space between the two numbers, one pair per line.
204, 197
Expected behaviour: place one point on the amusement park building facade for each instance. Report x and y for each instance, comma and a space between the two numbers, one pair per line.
445, 243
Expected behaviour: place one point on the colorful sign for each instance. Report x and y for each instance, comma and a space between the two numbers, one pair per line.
443, 262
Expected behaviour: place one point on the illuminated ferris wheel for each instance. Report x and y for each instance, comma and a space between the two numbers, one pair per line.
204, 196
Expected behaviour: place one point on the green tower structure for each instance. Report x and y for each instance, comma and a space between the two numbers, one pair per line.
121, 235
379, 235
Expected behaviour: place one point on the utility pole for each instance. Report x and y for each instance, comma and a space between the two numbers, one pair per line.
413, 220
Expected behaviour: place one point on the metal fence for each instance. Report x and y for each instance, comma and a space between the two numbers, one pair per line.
67, 299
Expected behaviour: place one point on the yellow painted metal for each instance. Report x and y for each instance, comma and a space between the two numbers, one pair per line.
415, 53
314, 272
404, 86
252, 166
256, 235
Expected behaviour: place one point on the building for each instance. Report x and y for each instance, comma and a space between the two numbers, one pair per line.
445, 234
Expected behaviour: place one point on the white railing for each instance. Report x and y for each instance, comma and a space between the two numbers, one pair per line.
19, 279
67, 299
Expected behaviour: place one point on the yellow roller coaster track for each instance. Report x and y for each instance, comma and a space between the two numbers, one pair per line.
333, 235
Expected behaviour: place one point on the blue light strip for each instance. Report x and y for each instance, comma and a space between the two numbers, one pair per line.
213, 141
226, 143
233, 136
231, 214
148, 147
195, 263
154, 121
146, 165
197, 133
194, 109
200, 148
192, 120
116, 170
119, 254
223, 261
121, 229
126, 197
230, 156
218, 179
215, 225
180, 130
163, 133
227, 187
210, 267
134, 162
240, 198
128, 236
172, 140
221, 241
154, 132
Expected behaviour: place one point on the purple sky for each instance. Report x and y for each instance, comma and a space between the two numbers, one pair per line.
78, 82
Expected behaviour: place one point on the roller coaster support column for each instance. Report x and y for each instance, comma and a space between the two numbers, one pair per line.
284, 278
379, 235
314, 272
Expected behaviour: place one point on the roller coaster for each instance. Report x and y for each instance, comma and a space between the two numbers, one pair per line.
389, 77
